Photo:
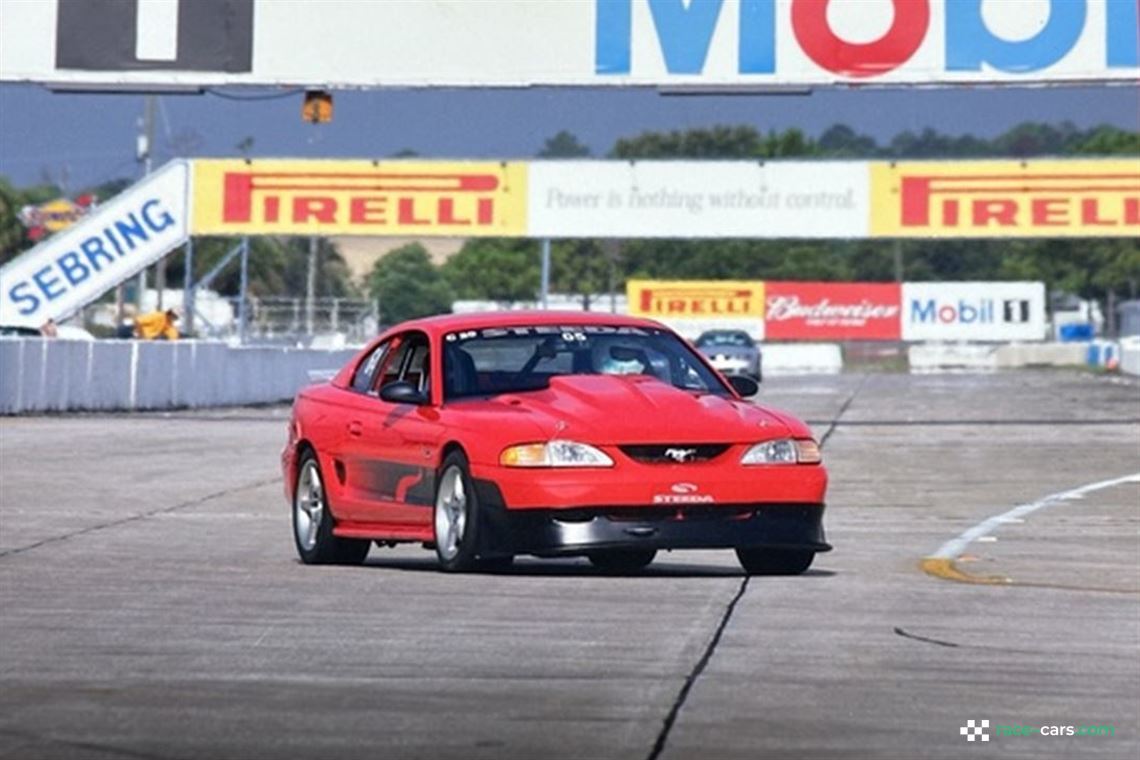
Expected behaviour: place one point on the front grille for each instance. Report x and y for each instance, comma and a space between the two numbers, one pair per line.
676, 453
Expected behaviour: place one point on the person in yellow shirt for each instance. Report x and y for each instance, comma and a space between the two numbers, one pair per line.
157, 325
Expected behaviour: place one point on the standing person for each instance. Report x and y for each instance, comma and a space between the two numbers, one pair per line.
157, 325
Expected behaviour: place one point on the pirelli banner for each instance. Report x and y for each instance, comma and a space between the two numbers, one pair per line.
995, 199
669, 199
297, 197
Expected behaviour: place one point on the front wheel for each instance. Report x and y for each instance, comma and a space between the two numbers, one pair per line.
774, 561
313, 523
456, 516
624, 561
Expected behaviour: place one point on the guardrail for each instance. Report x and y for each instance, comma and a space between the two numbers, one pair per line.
41, 375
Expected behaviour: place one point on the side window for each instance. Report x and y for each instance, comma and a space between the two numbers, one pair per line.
408, 361
362, 381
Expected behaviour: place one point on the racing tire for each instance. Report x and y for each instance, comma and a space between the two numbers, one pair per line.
313, 521
759, 561
621, 561
455, 517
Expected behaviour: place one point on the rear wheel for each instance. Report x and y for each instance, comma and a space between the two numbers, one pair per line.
774, 561
621, 561
313, 522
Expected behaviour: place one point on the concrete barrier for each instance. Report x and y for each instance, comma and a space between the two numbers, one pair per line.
44, 375
1015, 355
951, 357
802, 359
1130, 356
970, 357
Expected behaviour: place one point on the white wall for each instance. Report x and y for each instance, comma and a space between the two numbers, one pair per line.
38, 375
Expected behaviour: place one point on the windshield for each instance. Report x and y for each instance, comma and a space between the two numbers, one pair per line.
514, 359
724, 339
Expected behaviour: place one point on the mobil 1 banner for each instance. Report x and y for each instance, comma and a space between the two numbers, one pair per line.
976, 311
73, 268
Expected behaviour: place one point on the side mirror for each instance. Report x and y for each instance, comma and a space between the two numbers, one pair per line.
744, 385
401, 392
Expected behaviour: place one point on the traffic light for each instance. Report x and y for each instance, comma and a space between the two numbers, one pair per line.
318, 107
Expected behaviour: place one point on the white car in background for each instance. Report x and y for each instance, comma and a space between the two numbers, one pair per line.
732, 352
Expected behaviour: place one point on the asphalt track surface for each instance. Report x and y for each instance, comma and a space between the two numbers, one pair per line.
151, 605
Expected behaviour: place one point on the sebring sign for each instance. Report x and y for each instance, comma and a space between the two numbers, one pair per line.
496, 43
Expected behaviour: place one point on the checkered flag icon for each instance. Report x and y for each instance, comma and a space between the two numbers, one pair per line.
975, 729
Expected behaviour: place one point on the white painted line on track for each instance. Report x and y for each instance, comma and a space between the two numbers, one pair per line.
953, 548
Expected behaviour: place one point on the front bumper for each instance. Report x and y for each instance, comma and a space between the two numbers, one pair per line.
721, 481
564, 532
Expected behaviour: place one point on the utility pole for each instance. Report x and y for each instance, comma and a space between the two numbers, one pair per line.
145, 143
188, 287
311, 286
243, 306
545, 295
898, 261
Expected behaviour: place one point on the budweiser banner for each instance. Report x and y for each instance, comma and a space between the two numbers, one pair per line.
832, 311
295, 197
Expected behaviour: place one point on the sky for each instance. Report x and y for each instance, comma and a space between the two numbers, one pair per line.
87, 139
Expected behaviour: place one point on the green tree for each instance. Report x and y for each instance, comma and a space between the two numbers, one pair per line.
715, 142
494, 269
13, 238
582, 267
1108, 141
408, 285
563, 145
842, 140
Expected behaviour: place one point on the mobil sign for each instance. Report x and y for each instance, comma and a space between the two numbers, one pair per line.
832, 311
976, 311
897, 41
468, 43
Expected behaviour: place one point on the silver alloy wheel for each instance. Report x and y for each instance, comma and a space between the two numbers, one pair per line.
308, 505
450, 513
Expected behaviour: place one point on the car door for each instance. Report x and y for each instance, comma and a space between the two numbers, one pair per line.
355, 499
388, 456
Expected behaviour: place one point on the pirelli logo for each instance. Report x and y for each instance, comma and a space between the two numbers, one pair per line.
359, 198
1001, 199
696, 299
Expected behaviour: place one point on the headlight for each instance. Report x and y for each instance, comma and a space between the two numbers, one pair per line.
783, 451
554, 454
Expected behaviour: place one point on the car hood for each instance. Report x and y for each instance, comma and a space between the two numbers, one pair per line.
605, 409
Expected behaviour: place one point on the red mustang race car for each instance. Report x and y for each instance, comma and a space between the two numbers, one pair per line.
486, 436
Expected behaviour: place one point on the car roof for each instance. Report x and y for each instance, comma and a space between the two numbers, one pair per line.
446, 323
